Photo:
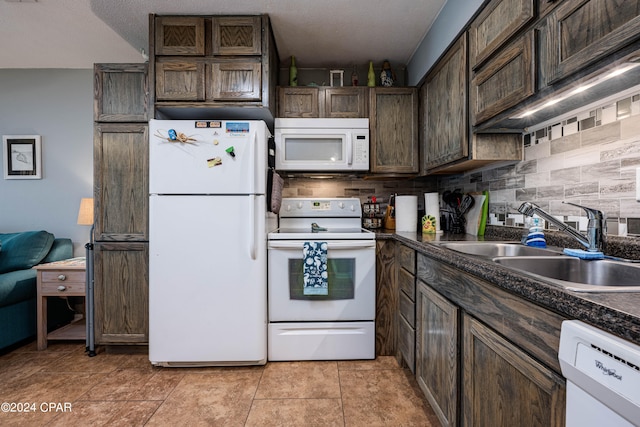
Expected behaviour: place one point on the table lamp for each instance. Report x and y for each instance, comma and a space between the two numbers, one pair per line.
85, 213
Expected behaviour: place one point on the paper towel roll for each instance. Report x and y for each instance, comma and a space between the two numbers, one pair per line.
407, 213
432, 208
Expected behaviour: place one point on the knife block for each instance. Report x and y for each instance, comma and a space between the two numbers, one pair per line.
389, 221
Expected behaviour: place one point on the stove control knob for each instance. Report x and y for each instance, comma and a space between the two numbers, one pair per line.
341, 205
353, 208
299, 205
288, 208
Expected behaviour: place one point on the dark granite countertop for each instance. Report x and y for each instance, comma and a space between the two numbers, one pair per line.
615, 312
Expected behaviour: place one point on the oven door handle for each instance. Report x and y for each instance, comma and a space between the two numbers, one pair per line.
344, 245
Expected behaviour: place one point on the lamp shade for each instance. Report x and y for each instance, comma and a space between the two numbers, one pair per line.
85, 213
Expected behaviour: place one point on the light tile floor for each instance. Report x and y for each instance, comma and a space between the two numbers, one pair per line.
62, 386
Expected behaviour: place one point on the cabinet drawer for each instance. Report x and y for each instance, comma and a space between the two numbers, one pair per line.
407, 283
407, 343
407, 309
407, 258
69, 276
70, 288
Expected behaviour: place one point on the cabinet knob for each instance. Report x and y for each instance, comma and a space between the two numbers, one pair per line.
62, 288
62, 277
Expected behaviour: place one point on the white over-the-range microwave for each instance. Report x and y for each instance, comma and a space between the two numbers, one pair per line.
322, 144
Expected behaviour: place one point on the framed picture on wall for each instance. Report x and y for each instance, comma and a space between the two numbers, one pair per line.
22, 156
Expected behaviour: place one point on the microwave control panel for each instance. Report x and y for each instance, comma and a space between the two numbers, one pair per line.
361, 149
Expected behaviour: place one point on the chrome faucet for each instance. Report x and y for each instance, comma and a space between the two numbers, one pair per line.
596, 228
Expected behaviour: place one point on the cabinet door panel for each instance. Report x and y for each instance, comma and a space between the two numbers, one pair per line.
121, 93
504, 81
386, 298
121, 189
180, 80
298, 102
497, 22
394, 130
345, 102
234, 81
503, 386
437, 352
237, 35
121, 292
446, 132
580, 32
179, 35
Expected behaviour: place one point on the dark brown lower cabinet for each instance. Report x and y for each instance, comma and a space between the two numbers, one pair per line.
121, 293
437, 350
504, 386
386, 298
485, 357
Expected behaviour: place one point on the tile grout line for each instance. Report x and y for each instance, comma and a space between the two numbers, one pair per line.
344, 421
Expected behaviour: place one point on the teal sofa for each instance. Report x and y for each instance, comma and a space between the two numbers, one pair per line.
18, 253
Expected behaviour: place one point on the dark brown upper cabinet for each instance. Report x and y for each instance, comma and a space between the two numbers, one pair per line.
237, 35
497, 23
179, 36
504, 81
580, 32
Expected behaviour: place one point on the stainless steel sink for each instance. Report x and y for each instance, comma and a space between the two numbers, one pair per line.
578, 275
498, 249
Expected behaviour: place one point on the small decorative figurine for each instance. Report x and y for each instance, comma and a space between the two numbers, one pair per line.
387, 76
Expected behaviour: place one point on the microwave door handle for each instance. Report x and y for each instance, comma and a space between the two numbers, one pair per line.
349, 149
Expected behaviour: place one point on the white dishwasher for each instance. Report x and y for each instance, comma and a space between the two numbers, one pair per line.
603, 377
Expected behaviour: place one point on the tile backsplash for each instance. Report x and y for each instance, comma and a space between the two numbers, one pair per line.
589, 159
356, 187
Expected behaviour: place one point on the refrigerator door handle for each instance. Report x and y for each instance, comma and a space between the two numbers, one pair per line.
254, 153
254, 229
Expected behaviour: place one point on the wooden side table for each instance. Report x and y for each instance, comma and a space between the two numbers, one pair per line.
59, 279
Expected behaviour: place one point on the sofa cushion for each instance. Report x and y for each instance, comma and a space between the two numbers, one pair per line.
22, 251
17, 286
62, 248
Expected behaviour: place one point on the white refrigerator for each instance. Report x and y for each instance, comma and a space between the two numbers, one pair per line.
207, 242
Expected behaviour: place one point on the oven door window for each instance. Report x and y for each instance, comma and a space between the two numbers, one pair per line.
342, 273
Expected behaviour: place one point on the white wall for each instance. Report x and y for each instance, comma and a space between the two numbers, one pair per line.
58, 105
452, 18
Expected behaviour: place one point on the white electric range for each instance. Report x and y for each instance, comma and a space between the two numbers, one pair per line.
339, 325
